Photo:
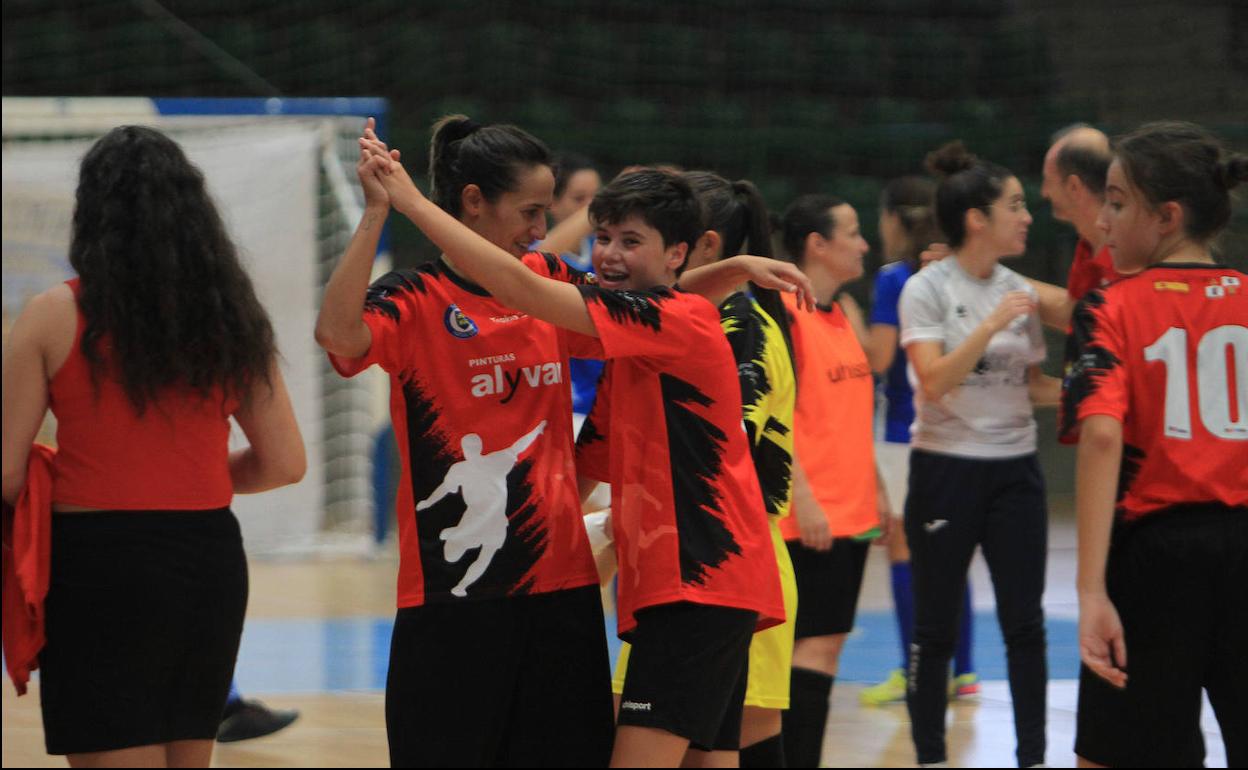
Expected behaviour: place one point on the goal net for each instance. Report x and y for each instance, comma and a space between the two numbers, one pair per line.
282, 174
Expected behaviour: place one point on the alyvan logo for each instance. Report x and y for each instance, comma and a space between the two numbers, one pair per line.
499, 381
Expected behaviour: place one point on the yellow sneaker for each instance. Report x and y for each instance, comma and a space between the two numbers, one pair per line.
891, 690
964, 685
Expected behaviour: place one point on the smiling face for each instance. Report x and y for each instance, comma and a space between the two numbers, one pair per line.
518, 217
630, 254
1132, 227
1007, 221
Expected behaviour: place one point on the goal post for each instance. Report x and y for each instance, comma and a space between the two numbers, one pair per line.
282, 173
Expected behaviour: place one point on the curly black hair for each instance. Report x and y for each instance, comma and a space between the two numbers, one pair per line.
161, 282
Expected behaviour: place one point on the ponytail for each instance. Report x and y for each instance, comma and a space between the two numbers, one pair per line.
464, 152
738, 213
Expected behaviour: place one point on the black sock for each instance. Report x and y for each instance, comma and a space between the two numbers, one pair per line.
807, 715
768, 752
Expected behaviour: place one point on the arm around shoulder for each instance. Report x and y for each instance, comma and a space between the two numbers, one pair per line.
1054, 304
276, 455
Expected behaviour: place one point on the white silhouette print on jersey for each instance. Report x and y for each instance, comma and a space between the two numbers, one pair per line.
482, 480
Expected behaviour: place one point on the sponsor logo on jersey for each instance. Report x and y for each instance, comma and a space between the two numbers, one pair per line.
848, 371
506, 319
503, 382
491, 360
1215, 291
960, 311
1179, 286
935, 525
458, 324
1230, 280
632, 705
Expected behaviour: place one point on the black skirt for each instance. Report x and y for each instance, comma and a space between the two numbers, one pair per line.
144, 615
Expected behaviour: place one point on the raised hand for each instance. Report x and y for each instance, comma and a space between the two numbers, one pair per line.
375, 194
384, 163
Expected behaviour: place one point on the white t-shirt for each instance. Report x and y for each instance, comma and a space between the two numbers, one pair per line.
989, 415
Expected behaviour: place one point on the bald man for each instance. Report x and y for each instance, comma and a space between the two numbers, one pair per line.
1074, 184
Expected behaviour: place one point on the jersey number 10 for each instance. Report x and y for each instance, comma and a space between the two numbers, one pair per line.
1215, 378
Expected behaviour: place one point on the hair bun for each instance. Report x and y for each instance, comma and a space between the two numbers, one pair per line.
1233, 170
452, 128
950, 159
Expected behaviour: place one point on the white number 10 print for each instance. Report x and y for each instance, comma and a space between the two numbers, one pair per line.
1214, 378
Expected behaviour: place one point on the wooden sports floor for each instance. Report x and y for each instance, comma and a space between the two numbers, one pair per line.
318, 635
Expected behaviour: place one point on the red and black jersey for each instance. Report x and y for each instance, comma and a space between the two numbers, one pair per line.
482, 415
1090, 270
1166, 353
666, 432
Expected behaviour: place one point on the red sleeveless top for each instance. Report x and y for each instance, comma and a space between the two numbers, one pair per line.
173, 457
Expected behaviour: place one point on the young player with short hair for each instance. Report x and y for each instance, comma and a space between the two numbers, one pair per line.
737, 223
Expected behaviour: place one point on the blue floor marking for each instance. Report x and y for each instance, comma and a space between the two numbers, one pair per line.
287, 656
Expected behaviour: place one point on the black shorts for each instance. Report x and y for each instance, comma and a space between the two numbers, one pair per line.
828, 584
143, 619
687, 672
518, 681
1178, 580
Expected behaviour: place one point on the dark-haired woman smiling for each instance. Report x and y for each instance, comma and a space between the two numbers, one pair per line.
974, 342
143, 358
499, 653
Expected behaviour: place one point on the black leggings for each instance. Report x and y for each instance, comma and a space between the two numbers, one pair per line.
955, 504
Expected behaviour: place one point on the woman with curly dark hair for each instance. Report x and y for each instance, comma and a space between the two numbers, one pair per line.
143, 358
